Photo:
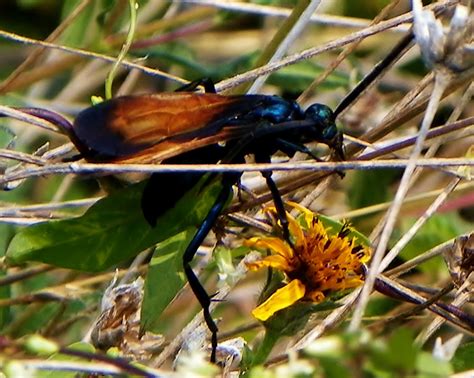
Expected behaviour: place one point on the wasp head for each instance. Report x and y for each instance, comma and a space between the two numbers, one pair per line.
324, 127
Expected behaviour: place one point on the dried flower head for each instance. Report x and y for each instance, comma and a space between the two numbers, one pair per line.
440, 46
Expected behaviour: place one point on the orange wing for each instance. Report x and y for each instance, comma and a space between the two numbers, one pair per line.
176, 146
127, 127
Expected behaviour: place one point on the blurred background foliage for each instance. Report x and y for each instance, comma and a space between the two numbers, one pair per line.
192, 41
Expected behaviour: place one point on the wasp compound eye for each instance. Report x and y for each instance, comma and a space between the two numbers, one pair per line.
323, 118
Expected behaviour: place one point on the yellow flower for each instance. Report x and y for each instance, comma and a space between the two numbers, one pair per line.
319, 263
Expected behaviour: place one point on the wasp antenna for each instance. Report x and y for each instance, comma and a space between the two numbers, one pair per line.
369, 79
50, 116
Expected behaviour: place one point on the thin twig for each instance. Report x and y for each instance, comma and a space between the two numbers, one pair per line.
343, 55
268, 10
413, 263
463, 294
69, 366
35, 54
24, 274
408, 235
377, 265
12, 209
309, 53
332, 320
301, 14
88, 54
465, 187
22, 116
21, 157
88, 168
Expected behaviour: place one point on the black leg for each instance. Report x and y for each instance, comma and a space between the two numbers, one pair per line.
205, 82
277, 200
188, 255
338, 146
290, 148
279, 206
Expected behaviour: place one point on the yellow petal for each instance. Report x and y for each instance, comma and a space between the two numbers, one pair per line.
276, 245
308, 214
282, 298
256, 265
279, 262
296, 231
274, 261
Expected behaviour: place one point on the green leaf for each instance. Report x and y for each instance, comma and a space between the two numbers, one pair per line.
111, 231
398, 354
290, 320
83, 25
36, 321
79, 346
4, 294
297, 77
7, 139
165, 278
179, 54
336, 226
402, 349
6, 232
333, 367
428, 366
370, 187
39, 345
29, 3
438, 229
463, 360
380, 306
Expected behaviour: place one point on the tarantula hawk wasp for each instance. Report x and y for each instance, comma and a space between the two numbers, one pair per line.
137, 128
190, 128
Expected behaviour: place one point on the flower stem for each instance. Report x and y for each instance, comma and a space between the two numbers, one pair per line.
265, 347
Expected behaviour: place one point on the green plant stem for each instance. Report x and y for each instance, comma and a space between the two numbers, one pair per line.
131, 32
265, 347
